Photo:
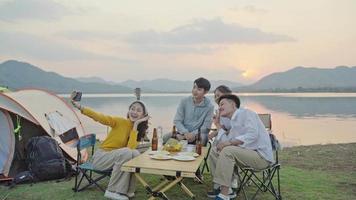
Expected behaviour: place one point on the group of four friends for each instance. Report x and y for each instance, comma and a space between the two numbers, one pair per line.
239, 140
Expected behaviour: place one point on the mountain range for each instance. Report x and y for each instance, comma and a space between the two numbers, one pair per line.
302, 79
159, 85
15, 75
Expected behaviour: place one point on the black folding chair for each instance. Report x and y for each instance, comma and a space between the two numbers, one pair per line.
264, 179
205, 165
86, 170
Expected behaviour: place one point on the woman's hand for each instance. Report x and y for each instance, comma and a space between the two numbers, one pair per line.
76, 105
138, 122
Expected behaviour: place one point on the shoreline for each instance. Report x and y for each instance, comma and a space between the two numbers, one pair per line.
167, 94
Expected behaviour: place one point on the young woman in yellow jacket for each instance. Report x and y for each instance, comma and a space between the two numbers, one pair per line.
119, 146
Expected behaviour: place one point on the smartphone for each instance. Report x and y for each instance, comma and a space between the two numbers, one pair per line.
76, 96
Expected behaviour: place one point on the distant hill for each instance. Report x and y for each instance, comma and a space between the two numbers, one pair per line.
101, 80
95, 79
16, 75
302, 79
167, 85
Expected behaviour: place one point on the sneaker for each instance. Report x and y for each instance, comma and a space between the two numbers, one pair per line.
115, 196
215, 192
218, 197
234, 182
232, 194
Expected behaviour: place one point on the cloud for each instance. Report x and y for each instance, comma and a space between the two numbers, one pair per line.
249, 9
207, 32
175, 49
199, 37
254, 9
32, 9
88, 35
23, 44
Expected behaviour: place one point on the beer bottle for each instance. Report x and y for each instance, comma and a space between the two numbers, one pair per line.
198, 144
174, 132
154, 140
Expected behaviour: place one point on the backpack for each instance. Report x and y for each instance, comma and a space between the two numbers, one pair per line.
22, 177
45, 158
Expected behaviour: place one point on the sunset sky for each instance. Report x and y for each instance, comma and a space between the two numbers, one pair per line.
237, 40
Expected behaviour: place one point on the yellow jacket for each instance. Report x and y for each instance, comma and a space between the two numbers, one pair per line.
121, 134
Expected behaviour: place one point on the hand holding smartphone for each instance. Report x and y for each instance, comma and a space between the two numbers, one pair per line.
76, 96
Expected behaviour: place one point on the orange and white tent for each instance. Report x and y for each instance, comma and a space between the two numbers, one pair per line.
28, 109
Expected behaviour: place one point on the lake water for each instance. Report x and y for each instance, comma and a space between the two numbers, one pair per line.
297, 118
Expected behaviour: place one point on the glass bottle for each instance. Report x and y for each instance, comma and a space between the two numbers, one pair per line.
198, 144
174, 132
154, 140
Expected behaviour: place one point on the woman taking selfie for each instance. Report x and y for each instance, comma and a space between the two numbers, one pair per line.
119, 146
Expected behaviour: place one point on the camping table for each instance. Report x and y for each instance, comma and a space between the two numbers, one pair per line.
174, 172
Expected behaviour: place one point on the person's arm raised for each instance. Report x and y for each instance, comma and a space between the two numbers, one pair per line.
99, 117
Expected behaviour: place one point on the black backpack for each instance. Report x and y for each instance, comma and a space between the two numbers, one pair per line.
45, 158
22, 177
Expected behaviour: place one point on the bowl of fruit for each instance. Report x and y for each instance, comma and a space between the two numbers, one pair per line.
172, 145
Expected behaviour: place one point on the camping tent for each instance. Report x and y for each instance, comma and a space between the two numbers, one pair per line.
4, 89
28, 109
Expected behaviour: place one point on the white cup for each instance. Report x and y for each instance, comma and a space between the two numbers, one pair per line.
190, 148
184, 144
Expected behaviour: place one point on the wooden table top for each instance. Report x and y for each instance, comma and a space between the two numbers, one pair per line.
144, 164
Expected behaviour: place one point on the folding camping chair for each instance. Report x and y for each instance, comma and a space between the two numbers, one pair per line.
262, 179
86, 169
205, 164
266, 119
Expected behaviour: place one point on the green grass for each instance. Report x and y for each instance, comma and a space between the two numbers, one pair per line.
308, 172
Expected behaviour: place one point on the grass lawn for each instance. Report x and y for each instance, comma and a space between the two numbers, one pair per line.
308, 172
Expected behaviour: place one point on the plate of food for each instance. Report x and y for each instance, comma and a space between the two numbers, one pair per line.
183, 158
158, 153
188, 154
160, 157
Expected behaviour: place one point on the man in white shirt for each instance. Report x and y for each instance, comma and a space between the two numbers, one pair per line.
251, 146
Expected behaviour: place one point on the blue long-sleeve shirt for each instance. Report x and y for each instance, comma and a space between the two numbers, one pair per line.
190, 117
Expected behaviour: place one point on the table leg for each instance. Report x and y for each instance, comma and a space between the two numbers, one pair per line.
171, 184
166, 186
186, 190
161, 185
160, 193
144, 183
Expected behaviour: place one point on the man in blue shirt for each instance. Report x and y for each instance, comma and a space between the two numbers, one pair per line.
193, 113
